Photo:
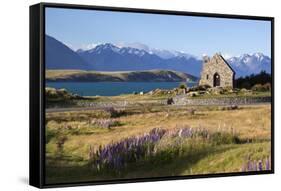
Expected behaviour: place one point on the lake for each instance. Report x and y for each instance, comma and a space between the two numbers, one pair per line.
112, 88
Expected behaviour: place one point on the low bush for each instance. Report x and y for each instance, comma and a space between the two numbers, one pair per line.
60, 141
182, 86
50, 134
115, 113
219, 138
105, 123
262, 88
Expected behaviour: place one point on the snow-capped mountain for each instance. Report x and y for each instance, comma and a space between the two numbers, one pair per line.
109, 57
162, 53
137, 57
247, 64
166, 54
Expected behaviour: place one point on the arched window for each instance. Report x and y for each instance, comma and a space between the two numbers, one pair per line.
207, 77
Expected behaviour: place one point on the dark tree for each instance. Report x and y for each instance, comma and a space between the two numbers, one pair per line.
249, 81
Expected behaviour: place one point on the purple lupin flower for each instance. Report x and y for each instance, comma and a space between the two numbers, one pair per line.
249, 166
267, 164
260, 165
256, 165
117, 155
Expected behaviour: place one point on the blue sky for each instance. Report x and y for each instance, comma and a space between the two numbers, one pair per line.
194, 35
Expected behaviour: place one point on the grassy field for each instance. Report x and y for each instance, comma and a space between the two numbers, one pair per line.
234, 136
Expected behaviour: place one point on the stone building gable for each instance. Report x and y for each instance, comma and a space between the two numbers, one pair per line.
217, 72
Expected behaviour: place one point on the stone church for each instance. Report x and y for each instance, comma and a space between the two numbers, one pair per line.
217, 72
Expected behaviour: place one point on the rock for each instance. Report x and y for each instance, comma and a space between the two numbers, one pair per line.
191, 111
170, 101
228, 89
243, 90
200, 87
231, 107
193, 94
216, 90
234, 107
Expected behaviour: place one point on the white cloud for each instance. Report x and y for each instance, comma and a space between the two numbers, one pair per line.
136, 45
89, 46
83, 46
227, 55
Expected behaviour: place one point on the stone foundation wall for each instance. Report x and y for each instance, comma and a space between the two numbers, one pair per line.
221, 101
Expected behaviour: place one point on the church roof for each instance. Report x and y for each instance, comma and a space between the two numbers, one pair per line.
221, 57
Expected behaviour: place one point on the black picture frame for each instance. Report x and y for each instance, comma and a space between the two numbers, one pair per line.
37, 92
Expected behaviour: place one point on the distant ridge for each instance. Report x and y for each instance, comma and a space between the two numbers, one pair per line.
128, 76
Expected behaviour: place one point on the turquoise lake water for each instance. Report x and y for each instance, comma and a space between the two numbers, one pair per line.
112, 88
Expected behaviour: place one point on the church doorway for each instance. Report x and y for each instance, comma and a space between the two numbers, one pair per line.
216, 80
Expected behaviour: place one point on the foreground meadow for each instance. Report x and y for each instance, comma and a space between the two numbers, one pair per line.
156, 141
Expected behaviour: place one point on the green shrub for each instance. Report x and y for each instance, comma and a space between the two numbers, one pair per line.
61, 139
182, 86
219, 138
262, 88
49, 135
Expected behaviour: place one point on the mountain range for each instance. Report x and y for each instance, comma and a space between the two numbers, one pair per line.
247, 64
138, 57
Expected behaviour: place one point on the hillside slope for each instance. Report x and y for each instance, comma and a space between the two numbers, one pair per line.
128, 76
59, 56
